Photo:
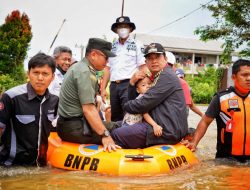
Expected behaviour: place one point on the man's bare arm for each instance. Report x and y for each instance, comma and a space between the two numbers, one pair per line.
199, 132
195, 109
157, 128
106, 78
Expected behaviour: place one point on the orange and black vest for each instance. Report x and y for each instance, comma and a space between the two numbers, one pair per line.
233, 138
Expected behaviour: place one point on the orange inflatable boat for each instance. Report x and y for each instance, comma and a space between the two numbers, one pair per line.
160, 159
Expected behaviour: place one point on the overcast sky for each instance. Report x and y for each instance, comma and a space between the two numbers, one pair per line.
93, 18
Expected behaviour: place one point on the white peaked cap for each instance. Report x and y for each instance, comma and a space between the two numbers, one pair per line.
171, 57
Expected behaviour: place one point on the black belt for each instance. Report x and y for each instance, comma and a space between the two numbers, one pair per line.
120, 81
70, 118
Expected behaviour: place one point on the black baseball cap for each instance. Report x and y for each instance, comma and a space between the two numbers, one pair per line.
154, 48
102, 45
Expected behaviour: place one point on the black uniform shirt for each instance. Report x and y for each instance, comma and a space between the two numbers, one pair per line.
165, 103
26, 120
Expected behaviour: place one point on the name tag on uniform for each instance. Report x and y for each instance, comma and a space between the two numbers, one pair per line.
233, 105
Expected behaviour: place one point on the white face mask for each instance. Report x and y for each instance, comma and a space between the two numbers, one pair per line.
123, 32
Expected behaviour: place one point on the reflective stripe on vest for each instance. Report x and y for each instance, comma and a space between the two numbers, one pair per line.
240, 113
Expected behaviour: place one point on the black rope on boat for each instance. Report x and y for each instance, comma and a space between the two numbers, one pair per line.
139, 157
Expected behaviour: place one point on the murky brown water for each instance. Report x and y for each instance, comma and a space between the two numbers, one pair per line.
209, 174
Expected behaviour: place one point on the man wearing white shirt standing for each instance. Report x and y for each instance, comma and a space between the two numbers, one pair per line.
62, 56
129, 58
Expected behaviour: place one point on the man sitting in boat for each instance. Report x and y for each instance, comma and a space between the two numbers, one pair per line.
231, 108
142, 87
164, 101
79, 121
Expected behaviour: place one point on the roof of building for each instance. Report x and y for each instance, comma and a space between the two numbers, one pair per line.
177, 44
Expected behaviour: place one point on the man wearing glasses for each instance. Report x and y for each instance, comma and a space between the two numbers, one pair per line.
62, 56
79, 120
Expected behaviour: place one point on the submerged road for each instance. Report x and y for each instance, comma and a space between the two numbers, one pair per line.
207, 146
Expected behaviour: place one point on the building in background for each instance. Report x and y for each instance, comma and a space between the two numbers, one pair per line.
190, 53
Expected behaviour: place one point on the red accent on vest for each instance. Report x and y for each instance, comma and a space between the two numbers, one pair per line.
238, 109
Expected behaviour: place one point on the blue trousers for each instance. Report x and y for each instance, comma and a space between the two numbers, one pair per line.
131, 136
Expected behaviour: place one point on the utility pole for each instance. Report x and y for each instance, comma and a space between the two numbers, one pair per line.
122, 7
81, 48
64, 20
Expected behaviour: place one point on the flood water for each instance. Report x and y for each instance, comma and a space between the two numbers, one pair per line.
209, 174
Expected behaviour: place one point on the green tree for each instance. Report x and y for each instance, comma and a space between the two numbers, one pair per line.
232, 23
205, 84
15, 36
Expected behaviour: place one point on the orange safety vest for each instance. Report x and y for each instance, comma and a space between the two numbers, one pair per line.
234, 128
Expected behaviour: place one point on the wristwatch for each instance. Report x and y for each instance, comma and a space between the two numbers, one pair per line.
106, 133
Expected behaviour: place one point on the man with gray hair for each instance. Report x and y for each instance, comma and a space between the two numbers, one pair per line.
62, 56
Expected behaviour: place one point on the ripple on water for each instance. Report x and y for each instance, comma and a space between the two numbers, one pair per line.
15, 171
208, 174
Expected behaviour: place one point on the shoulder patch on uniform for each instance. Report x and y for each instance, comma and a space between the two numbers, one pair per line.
1, 106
